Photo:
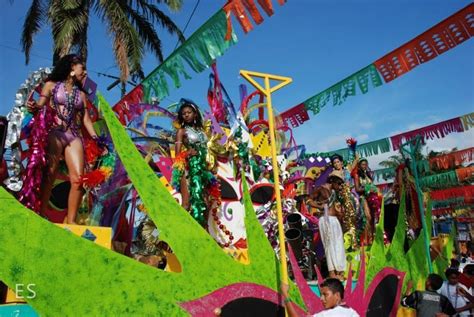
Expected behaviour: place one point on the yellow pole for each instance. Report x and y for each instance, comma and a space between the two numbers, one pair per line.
267, 90
276, 180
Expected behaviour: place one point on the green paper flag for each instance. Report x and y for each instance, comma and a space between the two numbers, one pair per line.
441, 180
345, 88
366, 149
199, 52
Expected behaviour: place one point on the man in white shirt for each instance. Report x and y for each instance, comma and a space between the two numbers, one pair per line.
332, 295
456, 293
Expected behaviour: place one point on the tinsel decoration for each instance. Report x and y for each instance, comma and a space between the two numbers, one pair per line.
350, 220
33, 175
179, 168
199, 178
17, 121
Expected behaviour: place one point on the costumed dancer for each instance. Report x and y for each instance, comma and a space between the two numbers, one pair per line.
347, 198
405, 180
329, 226
370, 200
63, 101
191, 176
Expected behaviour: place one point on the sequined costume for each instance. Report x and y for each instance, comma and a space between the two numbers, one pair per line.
197, 173
67, 111
350, 203
370, 199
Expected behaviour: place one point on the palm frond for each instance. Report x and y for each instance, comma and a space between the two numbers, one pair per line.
146, 31
34, 19
174, 5
69, 20
153, 13
128, 47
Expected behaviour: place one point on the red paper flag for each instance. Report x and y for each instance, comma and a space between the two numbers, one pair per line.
442, 37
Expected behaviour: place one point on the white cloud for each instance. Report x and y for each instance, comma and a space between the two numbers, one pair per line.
414, 126
432, 118
333, 142
454, 140
362, 137
366, 125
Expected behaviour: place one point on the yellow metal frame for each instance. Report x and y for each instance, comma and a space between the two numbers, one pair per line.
267, 91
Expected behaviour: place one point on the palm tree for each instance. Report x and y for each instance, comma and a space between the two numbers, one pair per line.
392, 161
129, 22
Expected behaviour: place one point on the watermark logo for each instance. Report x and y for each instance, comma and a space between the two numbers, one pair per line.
23, 291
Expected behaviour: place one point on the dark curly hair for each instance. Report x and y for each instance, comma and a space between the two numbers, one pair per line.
189, 104
367, 173
336, 157
63, 68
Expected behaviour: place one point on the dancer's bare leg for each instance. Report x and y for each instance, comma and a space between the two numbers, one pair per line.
53, 157
369, 227
74, 156
332, 274
184, 193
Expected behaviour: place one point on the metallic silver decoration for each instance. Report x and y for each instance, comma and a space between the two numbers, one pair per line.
15, 119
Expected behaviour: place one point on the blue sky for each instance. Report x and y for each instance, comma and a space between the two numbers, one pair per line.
317, 43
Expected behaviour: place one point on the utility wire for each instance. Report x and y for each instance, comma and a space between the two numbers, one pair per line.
189, 20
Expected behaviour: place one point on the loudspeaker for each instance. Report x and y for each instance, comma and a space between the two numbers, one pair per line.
295, 239
294, 221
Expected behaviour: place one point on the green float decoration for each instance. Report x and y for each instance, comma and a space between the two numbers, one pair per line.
84, 279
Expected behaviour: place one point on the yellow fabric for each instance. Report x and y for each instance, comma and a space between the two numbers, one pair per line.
261, 144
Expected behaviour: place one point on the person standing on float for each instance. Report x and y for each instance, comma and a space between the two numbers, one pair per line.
65, 100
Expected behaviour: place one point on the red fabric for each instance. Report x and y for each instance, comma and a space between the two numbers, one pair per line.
440, 38
295, 116
215, 99
92, 150
465, 173
437, 130
443, 194
121, 108
452, 159
466, 280
245, 102
442, 211
239, 9
267, 6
